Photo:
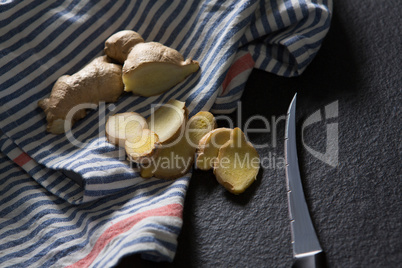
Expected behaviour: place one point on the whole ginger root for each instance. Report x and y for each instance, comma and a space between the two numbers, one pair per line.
98, 81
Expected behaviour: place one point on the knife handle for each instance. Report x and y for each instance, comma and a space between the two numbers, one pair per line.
313, 261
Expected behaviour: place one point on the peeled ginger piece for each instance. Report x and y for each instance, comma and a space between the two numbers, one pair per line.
167, 121
237, 164
142, 148
199, 124
152, 68
121, 126
209, 146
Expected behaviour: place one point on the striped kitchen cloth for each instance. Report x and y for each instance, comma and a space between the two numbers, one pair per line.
71, 199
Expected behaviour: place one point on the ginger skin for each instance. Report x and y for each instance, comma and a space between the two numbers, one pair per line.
98, 81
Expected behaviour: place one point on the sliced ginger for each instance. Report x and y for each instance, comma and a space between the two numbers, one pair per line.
142, 148
175, 161
237, 164
209, 146
121, 126
150, 68
168, 120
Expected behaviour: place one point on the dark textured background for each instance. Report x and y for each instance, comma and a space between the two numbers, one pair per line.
356, 207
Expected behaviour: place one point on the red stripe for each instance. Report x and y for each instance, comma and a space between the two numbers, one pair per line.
172, 210
22, 159
240, 65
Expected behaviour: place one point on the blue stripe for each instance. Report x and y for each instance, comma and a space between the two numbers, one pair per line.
173, 16
20, 13
277, 15
112, 178
155, 18
23, 201
66, 239
11, 175
90, 232
37, 31
264, 18
20, 190
290, 11
253, 28
8, 6
184, 20
113, 191
119, 245
220, 63
89, 208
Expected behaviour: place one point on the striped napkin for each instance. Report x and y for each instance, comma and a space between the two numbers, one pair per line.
73, 200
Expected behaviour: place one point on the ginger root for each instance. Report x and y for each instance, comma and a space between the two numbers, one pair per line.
98, 81
150, 68
209, 145
175, 161
121, 126
237, 164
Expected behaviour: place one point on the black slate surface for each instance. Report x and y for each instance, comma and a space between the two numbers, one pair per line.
355, 206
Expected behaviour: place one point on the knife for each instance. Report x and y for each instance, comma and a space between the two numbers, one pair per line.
307, 251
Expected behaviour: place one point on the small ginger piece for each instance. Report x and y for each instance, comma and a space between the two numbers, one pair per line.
175, 161
118, 45
237, 164
121, 126
98, 81
143, 147
152, 68
168, 120
209, 145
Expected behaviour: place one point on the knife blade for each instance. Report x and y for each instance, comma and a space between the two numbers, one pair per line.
307, 251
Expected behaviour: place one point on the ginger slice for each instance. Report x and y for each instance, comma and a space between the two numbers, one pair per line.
152, 68
198, 124
209, 145
143, 147
98, 81
168, 120
237, 164
175, 161
121, 126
